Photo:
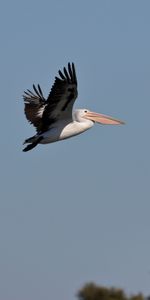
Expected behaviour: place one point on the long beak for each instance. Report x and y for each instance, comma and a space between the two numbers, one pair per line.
102, 119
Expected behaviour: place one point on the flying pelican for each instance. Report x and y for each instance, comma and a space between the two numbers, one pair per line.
53, 117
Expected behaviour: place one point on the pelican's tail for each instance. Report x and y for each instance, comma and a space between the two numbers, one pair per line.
33, 142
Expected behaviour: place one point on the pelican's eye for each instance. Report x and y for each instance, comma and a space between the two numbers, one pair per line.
85, 111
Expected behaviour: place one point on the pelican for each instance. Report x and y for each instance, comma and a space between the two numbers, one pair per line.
54, 118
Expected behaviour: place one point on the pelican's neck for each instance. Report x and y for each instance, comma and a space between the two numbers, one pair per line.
83, 124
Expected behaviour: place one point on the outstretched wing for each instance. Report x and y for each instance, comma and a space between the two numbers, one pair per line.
34, 106
62, 97
42, 113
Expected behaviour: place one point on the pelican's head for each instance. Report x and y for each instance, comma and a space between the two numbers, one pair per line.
99, 118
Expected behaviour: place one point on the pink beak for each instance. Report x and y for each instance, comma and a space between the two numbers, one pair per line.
102, 119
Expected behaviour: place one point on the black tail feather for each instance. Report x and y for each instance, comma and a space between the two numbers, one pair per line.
32, 139
29, 147
32, 145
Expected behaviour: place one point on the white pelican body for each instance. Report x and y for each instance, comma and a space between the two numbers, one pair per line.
53, 118
64, 129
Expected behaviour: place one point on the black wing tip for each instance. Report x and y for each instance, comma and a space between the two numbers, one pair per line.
68, 74
36, 89
71, 65
61, 75
35, 94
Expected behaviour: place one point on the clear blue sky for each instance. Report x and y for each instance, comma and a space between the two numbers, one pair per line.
79, 210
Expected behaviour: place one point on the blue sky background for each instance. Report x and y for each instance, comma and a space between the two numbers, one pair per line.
78, 210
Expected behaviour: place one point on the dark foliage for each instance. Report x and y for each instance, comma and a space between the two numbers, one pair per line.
93, 292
